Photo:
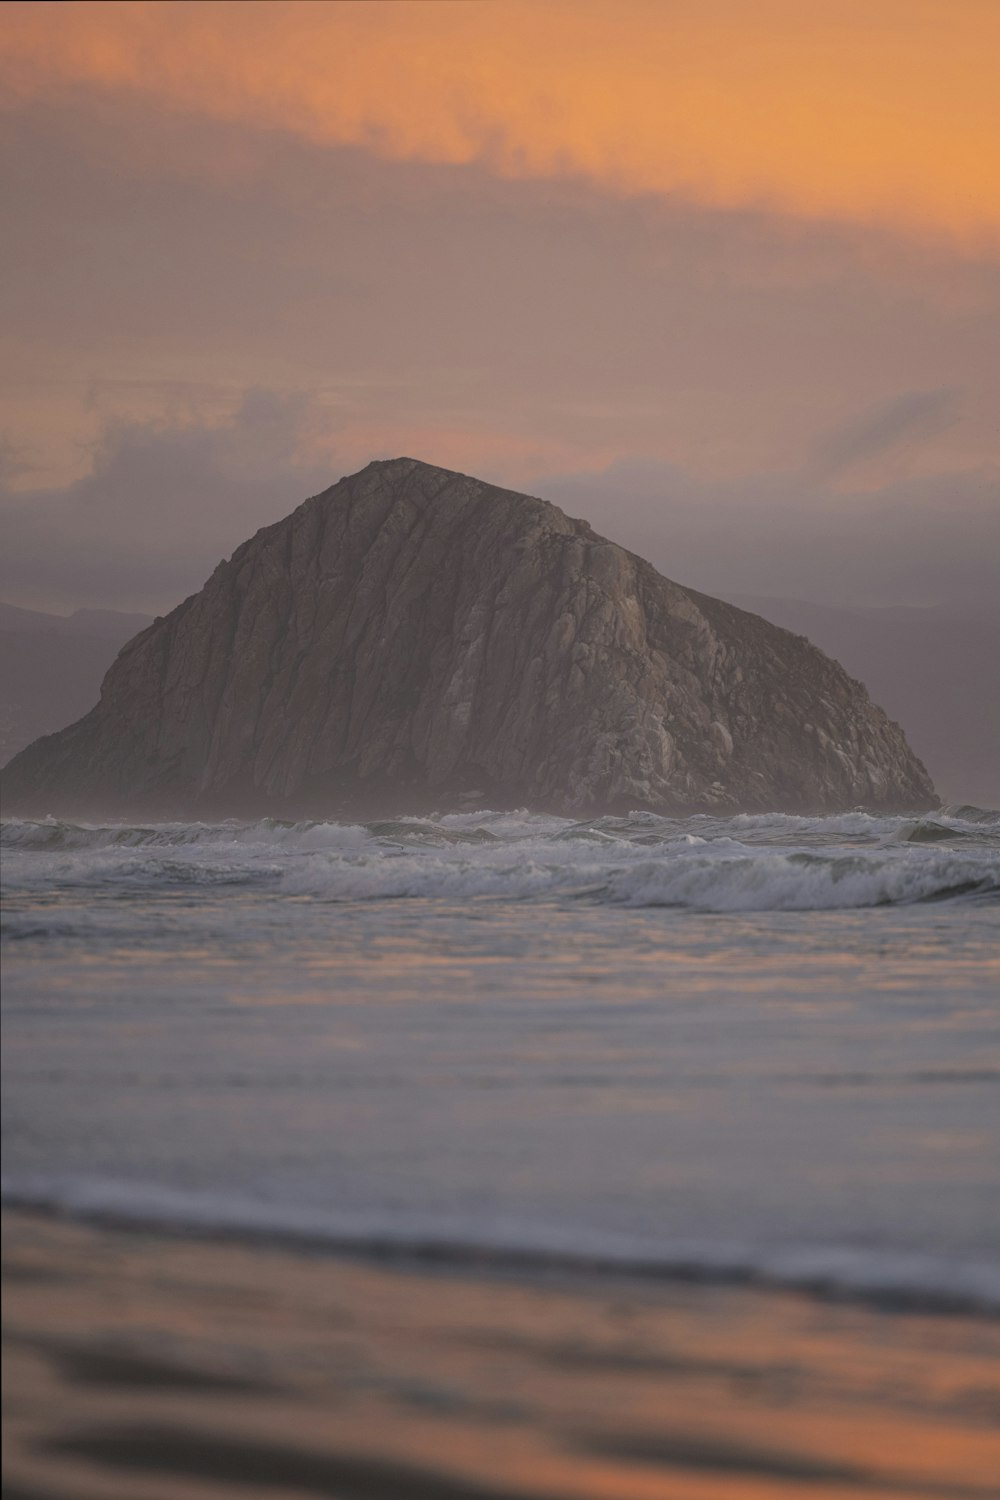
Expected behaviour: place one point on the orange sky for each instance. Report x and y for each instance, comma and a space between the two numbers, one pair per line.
874, 111
700, 270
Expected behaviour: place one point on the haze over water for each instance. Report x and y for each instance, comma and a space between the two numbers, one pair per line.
762, 1046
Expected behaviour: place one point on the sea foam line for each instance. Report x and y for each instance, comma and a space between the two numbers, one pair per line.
904, 1280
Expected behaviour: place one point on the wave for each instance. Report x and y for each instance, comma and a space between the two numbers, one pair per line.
802, 882
53, 835
967, 812
955, 824
743, 864
684, 877
888, 1278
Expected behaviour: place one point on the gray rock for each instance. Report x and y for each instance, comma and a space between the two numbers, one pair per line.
413, 638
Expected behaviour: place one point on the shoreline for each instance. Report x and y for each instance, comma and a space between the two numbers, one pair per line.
154, 1365
833, 1274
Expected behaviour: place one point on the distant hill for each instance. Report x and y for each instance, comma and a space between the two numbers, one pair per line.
935, 670
52, 666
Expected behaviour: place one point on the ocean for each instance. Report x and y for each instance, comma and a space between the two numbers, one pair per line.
757, 1048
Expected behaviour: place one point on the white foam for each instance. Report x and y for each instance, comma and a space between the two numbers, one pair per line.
883, 1275
777, 881
743, 864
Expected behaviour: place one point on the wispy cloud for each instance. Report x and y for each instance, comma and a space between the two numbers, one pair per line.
162, 503
818, 110
927, 539
901, 422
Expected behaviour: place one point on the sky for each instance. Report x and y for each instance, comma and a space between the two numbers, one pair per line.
722, 276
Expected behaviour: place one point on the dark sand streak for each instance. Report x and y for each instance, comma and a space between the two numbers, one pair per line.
680, 1450
240, 1461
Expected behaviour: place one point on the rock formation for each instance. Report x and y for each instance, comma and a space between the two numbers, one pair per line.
413, 638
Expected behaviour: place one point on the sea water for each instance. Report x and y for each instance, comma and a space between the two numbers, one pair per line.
760, 1047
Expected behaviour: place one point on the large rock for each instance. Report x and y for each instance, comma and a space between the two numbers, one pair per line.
415, 638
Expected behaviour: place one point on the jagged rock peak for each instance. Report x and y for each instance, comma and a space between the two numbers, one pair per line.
413, 637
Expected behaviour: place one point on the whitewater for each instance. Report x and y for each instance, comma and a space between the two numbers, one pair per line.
760, 1047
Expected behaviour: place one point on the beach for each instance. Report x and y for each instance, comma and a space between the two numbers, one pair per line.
140, 1364
503, 1155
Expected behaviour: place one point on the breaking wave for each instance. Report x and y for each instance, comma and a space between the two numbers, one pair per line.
748, 863
902, 1279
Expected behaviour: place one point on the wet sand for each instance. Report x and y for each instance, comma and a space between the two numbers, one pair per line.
139, 1365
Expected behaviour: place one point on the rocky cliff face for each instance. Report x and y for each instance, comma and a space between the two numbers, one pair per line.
413, 637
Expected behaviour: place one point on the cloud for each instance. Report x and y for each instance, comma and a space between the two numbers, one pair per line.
819, 110
512, 329
900, 422
162, 503
165, 500
932, 539
441, 311
12, 462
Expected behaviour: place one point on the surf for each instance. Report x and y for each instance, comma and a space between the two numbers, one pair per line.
750, 863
